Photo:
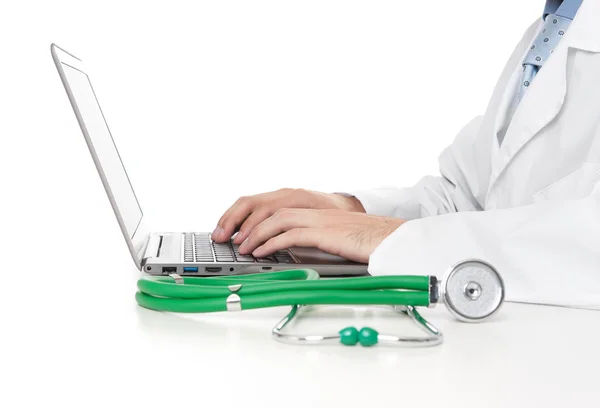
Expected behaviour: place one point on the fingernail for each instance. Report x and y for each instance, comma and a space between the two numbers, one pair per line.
238, 238
244, 244
217, 231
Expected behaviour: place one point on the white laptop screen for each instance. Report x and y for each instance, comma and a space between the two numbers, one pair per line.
105, 148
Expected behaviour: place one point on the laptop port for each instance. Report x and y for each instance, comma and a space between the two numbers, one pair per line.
212, 269
190, 269
169, 269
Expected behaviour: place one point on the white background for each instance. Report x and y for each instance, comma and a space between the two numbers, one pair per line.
207, 101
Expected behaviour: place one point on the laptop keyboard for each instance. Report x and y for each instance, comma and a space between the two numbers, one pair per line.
200, 248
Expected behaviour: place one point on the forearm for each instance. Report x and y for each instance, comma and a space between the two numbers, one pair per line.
430, 196
547, 252
459, 187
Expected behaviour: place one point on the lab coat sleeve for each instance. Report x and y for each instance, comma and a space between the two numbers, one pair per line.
547, 253
450, 192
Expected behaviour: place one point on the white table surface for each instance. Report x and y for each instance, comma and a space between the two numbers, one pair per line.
82, 341
71, 334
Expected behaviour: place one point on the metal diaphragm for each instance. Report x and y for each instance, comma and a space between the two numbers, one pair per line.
472, 290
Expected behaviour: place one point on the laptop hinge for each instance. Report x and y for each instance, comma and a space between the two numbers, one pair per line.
153, 246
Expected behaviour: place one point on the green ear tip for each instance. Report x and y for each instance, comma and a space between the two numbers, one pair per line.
349, 336
368, 337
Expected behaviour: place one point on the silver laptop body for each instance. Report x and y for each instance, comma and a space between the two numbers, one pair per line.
156, 253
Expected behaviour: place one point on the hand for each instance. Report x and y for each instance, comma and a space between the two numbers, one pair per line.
248, 212
351, 235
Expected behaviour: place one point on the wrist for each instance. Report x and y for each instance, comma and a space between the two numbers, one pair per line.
348, 202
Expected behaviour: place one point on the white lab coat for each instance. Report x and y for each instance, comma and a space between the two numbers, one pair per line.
530, 206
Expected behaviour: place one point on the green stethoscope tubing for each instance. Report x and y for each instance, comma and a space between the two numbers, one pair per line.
283, 288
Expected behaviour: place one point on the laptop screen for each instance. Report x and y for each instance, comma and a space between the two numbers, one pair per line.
105, 148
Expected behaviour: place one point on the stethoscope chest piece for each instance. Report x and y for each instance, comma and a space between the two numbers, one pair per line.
472, 290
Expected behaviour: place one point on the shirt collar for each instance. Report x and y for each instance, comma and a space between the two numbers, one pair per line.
584, 31
562, 8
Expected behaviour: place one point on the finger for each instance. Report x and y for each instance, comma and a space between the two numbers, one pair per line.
301, 237
233, 218
283, 220
330, 240
251, 222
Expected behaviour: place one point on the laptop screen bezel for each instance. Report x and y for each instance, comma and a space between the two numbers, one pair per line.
138, 241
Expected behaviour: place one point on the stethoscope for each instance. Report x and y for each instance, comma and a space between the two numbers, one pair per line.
472, 291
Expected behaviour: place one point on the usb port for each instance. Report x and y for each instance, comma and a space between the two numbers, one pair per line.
190, 269
213, 269
169, 269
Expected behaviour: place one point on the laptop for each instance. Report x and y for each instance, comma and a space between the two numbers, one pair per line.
185, 253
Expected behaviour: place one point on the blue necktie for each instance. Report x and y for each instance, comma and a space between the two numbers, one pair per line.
554, 28
542, 48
